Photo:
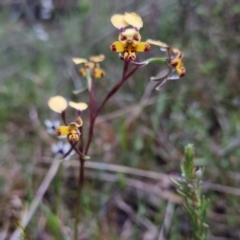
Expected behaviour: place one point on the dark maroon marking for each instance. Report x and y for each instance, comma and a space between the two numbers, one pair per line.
182, 74
123, 38
136, 38
174, 64
81, 72
147, 47
113, 48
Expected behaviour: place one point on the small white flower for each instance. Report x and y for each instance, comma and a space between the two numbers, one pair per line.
60, 149
52, 126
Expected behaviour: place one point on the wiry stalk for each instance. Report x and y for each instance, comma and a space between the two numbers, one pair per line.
79, 192
81, 159
125, 76
93, 116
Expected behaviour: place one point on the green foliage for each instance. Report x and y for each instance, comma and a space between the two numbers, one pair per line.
189, 187
202, 108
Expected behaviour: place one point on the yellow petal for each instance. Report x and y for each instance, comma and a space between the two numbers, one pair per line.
97, 59
79, 60
98, 73
117, 47
142, 47
158, 43
57, 104
176, 62
178, 65
78, 105
133, 19
73, 127
73, 137
132, 56
62, 130
118, 21
128, 55
181, 70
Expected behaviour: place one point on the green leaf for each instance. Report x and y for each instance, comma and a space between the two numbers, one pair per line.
188, 163
182, 193
176, 183
155, 60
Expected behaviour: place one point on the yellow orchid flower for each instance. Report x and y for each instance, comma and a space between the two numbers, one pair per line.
72, 130
174, 54
92, 65
176, 62
179, 66
129, 39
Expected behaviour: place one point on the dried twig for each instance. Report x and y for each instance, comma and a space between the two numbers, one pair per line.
167, 221
235, 143
147, 188
38, 198
146, 174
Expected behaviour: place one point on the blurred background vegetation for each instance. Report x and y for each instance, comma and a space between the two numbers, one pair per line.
139, 128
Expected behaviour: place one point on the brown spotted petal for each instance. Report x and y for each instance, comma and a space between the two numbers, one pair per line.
117, 47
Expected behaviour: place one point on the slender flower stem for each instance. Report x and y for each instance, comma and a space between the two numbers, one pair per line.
59, 189
59, 180
63, 115
81, 146
93, 115
125, 76
79, 192
125, 68
92, 100
69, 151
80, 185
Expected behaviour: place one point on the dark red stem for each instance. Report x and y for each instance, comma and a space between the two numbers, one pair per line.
79, 192
125, 76
63, 115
